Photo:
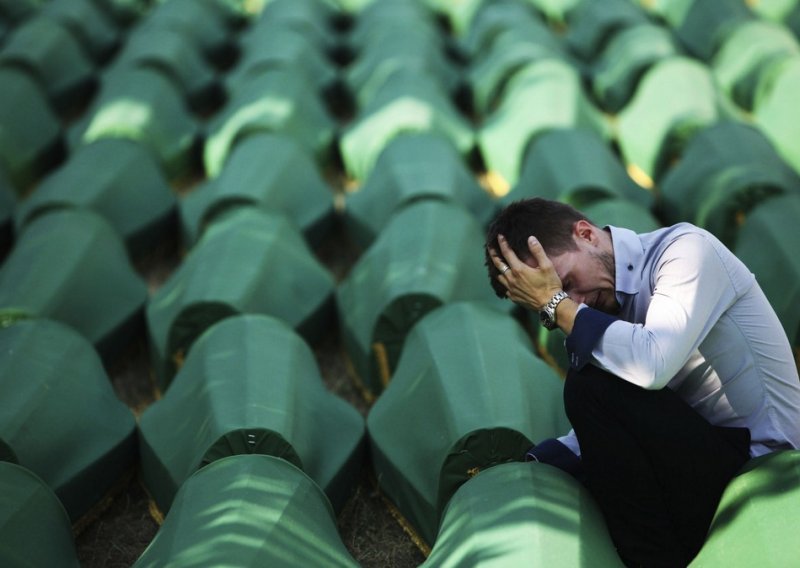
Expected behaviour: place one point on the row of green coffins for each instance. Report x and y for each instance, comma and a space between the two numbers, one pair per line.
509, 514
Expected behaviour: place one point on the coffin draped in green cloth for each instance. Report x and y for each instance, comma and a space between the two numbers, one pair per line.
94, 29
395, 45
616, 72
34, 528
746, 53
248, 261
170, 51
593, 24
273, 100
379, 16
207, 23
776, 111
429, 253
757, 518
71, 266
60, 417
615, 211
523, 514
271, 43
576, 166
313, 18
144, 105
52, 55
543, 95
727, 169
495, 18
117, 178
30, 139
468, 393
250, 385
413, 166
408, 101
767, 244
702, 26
271, 172
248, 511
676, 97
511, 50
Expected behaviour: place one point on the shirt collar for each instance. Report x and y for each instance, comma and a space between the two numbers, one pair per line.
628, 260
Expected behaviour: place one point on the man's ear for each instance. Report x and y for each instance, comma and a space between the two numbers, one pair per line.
583, 230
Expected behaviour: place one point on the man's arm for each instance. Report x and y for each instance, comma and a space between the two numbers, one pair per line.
693, 288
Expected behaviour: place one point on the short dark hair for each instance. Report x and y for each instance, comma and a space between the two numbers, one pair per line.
551, 222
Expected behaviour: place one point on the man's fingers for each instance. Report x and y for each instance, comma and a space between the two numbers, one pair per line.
508, 252
498, 261
537, 251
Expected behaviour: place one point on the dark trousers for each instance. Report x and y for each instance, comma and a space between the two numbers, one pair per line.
656, 468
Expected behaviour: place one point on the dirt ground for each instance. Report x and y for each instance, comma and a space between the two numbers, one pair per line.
119, 534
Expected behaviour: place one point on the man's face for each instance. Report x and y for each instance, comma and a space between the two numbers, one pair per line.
588, 275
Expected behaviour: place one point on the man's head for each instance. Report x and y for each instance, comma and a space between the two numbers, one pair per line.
582, 254
551, 222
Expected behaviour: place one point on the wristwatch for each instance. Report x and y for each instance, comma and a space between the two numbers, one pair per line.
548, 313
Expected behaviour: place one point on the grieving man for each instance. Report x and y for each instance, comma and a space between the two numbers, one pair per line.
680, 370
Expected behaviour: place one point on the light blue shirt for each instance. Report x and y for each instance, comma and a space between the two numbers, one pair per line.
694, 319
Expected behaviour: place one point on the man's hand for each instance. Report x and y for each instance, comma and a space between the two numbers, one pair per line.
527, 285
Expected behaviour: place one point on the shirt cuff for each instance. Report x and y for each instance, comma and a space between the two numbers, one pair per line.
553, 452
589, 327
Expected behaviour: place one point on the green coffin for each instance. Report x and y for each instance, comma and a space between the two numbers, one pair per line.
208, 25
767, 243
616, 72
726, 170
50, 53
468, 393
250, 386
496, 18
60, 416
412, 167
676, 97
312, 18
407, 45
274, 100
97, 33
592, 25
511, 49
34, 528
523, 514
248, 511
379, 16
271, 172
701, 26
408, 101
544, 95
170, 51
757, 518
82, 278
144, 105
776, 111
576, 166
746, 53
30, 137
117, 178
248, 261
429, 253
270, 44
